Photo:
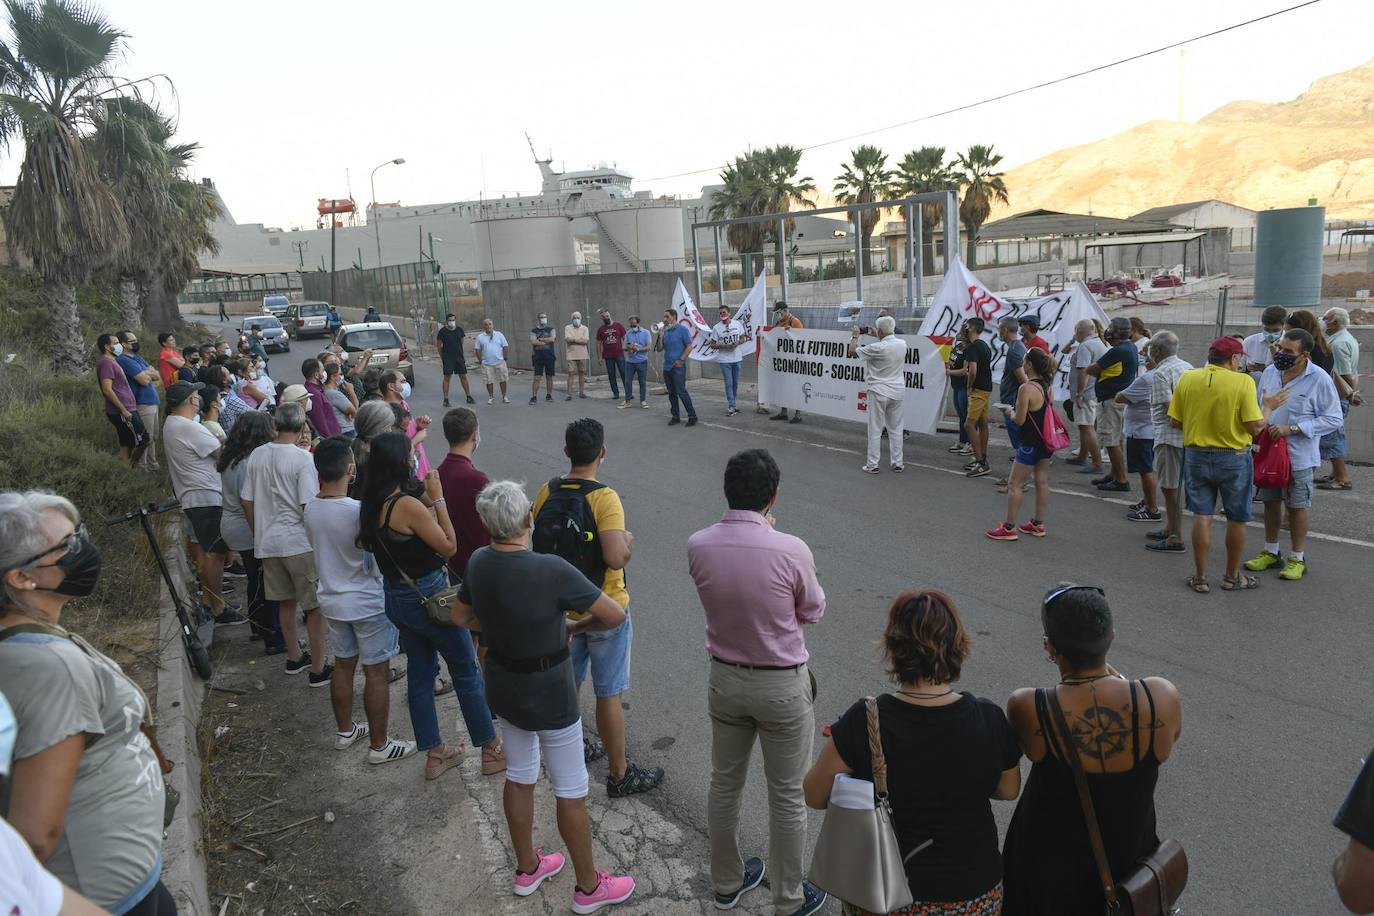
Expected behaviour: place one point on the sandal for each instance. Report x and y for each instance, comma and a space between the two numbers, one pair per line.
1336, 485
493, 758
442, 686
395, 674
1239, 583
449, 757
1198, 584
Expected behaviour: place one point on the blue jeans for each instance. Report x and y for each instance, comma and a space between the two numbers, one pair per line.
634, 371
1209, 473
961, 408
676, 380
423, 641
730, 372
615, 371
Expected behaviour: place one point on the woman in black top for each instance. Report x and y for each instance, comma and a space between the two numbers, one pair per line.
1033, 456
958, 386
1321, 354
947, 754
1122, 731
405, 527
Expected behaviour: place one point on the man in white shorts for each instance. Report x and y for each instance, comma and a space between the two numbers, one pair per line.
492, 349
1088, 349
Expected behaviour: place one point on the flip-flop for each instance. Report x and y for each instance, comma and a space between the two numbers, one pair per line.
1336, 485
1198, 584
1239, 583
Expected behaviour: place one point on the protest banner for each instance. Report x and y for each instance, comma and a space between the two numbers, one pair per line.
809, 370
687, 311
962, 295
749, 315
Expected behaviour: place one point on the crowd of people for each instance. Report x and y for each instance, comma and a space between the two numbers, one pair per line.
317, 495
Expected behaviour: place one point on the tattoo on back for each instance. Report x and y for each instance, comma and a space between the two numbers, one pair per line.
1103, 732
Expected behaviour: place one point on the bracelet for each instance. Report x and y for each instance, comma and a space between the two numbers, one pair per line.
436, 502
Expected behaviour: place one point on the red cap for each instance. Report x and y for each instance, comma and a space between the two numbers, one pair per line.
1226, 346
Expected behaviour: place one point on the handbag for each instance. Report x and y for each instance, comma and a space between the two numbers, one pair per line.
1273, 468
857, 858
1053, 432
1156, 881
438, 606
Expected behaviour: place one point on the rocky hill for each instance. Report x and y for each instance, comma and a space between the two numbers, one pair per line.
1254, 154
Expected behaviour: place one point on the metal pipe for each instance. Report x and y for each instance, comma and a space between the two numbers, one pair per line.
920, 228
951, 228
910, 265
858, 256
782, 255
696, 261
720, 273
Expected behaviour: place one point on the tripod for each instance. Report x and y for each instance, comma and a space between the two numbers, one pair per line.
195, 649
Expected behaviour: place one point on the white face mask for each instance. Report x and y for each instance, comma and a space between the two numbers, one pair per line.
452, 324
118, 349
405, 390
577, 322
476, 442
543, 321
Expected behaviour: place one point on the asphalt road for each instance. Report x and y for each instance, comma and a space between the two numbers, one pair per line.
1276, 683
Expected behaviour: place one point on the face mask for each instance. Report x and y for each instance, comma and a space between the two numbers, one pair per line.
220, 404
82, 566
8, 730
543, 321
577, 322
309, 403
1285, 361
405, 390
118, 349
605, 321
476, 443
1272, 336
133, 347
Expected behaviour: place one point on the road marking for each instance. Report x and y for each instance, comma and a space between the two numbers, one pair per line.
1334, 538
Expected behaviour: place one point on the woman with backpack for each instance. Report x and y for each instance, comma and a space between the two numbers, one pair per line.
1034, 416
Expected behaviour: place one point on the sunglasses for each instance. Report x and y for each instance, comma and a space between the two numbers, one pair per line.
69, 545
1068, 588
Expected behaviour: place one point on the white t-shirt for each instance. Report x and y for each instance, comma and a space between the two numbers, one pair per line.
883, 361
1086, 354
188, 447
350, 586
1257, 352
279, 481
26, 887
728, 332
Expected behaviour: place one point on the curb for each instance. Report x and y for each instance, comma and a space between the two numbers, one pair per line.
179, 699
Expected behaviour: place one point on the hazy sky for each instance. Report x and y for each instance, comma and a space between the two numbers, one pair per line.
286, 96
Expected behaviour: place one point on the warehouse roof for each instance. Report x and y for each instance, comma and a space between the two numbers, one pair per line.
1035, 224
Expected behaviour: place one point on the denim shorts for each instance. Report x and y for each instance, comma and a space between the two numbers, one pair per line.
1140, 455
374, 638
1209, 473
544, 362
1030, 456
1333, 444
608, 652
1298, 495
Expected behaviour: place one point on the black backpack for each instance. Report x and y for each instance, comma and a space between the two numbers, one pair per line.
566, 526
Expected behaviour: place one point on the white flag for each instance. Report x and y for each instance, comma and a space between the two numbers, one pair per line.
687, 311
750, 315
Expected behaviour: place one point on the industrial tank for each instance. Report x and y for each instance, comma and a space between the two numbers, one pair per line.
523, 243
1288, 256
631, 236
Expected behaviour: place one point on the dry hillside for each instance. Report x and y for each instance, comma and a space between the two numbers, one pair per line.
1253, 154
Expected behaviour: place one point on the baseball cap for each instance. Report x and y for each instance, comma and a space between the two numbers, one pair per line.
294, 393
1032, 320
1226, 346
178, 392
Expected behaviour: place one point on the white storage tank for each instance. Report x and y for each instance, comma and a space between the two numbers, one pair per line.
524, 243
636, 239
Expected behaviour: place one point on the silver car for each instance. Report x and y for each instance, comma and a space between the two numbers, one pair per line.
274, 337
387, 346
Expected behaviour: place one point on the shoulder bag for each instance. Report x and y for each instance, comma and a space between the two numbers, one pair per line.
1156, 881
857, 858
1273, 468
1052, 430
438, 606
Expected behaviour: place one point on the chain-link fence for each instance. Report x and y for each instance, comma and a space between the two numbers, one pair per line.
212, 289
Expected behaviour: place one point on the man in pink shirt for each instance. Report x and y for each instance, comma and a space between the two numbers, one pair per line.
758, 588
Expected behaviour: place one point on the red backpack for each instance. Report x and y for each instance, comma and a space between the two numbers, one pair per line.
1272, 467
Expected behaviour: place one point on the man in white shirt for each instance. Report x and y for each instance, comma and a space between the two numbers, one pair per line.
576, 337
883, 363
1168, 461
191, 451
1088, 349
353, 605
1259, 347
278, 483
492, 349
726, 337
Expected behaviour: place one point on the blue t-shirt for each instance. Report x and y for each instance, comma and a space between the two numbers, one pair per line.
132, 365
640, 337
677, 340
1015, 359
1118, 367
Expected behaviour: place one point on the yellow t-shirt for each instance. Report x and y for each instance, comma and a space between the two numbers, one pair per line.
1213, 404
610, 516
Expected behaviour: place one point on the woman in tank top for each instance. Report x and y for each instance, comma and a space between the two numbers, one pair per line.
1122, 731
1033, 457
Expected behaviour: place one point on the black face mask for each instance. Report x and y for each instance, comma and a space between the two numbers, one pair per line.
133, 347
605, 321
82, 567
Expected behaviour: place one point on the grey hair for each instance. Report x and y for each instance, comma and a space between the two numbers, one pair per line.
290, 417
885, 324
1085, 324
21, 529
1164, 344
1009, 323
1338, 315
373, 419
504, 509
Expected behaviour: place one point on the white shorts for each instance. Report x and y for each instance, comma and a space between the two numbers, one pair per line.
495, 374
1085, 410
563, 758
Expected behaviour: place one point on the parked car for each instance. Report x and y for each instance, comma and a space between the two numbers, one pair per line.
388, 348
307, 319
274, 338
275, 304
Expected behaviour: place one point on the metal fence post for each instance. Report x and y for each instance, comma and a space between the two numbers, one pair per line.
720, 271
910, 264
696, 261
951, 228
782, 248
858, 255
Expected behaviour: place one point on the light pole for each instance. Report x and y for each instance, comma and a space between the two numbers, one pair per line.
376, 224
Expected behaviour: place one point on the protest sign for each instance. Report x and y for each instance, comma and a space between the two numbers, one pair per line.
687, 311
809, 370
749, 315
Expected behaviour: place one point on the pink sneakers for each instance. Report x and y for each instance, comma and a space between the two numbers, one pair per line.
609, 890
1002, 532
549, 866
1033, 528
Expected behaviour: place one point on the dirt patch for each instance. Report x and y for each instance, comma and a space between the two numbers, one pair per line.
1340, 286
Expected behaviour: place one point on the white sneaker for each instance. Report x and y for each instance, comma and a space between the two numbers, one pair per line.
491, 400
392, 750
504, 399
342, 741
869, 469
644, 405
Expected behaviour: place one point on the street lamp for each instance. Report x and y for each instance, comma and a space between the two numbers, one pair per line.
377, 225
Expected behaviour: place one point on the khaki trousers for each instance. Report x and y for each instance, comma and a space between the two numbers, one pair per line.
774, 707
151, 422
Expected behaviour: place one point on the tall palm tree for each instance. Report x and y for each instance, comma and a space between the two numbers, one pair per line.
922, 171
741, 195
761, 181
865, 178
188, 235
982, 187
782, 190
54, 76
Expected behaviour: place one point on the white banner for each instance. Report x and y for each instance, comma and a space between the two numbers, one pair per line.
687, 310
749, 315
810, 371
962, 295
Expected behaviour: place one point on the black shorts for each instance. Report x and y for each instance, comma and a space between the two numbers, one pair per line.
544, 363
455, 365
131, 432
205, 523
1140, 455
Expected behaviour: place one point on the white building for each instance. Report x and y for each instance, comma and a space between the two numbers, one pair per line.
1201, 214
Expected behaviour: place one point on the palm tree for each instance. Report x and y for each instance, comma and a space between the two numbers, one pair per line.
194, 208
863, 180
54, 77
782, 189
922, 171
759, 182
982, 186
741, 195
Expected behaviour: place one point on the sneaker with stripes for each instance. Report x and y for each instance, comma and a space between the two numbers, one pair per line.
346, 739
392, 750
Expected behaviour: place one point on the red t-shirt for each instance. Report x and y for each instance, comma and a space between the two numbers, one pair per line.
612, 339
1038, 341
168, 371
461, 483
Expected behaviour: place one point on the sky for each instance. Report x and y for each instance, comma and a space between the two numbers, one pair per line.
291, 100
